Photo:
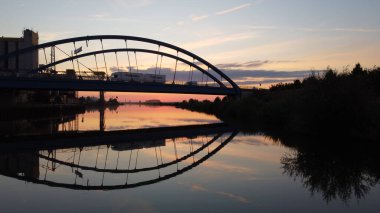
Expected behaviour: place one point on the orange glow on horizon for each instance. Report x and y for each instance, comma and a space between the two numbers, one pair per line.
136, 97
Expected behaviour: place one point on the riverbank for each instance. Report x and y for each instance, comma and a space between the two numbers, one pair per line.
338, 106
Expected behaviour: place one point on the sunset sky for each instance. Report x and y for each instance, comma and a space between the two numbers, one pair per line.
286, 39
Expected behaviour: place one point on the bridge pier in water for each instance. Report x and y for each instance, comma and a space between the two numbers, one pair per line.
102, 100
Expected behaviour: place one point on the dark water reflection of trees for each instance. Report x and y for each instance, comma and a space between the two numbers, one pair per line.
343, 172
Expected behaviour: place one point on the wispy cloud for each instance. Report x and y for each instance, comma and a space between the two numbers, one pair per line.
251, 64
125, 4
217, 41
357, 30
199, 18
234, 9
51, 36
180, 23
231, 196
318, 29
98, 15
196, 18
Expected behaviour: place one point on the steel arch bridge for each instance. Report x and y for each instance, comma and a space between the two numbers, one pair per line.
203, 77
84, 172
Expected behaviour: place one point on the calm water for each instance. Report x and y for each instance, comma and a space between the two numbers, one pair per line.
204, 168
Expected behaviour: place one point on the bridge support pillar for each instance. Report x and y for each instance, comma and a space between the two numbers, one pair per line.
102, 100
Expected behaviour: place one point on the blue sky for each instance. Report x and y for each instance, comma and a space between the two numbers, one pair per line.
281, 35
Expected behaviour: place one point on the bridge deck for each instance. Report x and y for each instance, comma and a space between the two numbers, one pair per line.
110, 86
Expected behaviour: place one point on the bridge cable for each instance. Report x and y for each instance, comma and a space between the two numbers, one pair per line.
45, 56
129, 166
72, 61
77, 59
52, 56
159, 173
192, 70
97, 154
129, 61
72, 56
175, 151
192, 149
137, 156
202, 77
105, 164
160, 155
208, 71
76, 172
175, 69
104, 57
137, 66
155, 71
117, 62
75, 150
159, 71
96, 63
46, 167
117, 161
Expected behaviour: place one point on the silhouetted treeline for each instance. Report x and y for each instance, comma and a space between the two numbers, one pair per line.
342, 105
95, 102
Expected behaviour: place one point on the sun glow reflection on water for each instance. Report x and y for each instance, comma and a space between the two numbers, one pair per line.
140, 116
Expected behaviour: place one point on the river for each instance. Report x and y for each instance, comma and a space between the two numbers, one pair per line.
181, 161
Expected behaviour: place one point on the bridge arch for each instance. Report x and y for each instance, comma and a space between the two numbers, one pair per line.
212, 72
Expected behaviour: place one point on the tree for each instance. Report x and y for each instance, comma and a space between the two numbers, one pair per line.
358, 70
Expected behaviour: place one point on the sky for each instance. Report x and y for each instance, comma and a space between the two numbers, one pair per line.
255, 41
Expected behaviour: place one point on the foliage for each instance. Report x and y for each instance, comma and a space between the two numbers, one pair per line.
332, 104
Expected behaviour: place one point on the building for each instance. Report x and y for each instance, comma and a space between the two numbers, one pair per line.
25, 63
21, 63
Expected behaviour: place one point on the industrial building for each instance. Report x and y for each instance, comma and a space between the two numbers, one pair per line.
25, 63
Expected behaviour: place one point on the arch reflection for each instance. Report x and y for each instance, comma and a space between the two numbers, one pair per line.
113, 160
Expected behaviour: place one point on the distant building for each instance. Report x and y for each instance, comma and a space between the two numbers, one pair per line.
24, 62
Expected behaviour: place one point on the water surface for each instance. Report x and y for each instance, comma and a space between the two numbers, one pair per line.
204, 169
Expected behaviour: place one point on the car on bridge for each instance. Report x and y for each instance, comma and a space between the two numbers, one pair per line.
192, 83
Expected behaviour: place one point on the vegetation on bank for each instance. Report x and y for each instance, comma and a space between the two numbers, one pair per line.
96, 102
341, 105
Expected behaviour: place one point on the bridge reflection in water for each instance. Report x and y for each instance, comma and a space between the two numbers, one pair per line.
112, 160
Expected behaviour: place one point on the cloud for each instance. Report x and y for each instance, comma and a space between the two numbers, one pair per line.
199, 188
196, 18
217, 41
317, 29
51, 36
180, 23
238, 198
234, 9
250, 64
240, 74
359, 30
199, 18
196, 187
242, 65
125, 4
98, 15
245, 74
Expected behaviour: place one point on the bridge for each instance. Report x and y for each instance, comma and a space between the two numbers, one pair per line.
90, 57
129, 158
